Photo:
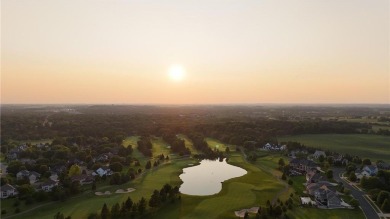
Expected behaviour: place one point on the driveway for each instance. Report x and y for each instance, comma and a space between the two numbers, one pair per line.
357, 194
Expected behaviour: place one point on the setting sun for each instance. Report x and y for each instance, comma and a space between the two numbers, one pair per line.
176, 73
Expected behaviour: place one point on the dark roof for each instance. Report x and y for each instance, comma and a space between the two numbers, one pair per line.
304, 162
371, 167
49, 183
7, 187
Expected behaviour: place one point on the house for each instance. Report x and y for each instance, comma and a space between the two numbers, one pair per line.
297, 153
325, 197
383, 165
313, 176
270, 147
31, 175
318, 154
8, 191
313, 187
302, 164
53, 175
83, 179
361, 174
103, 171
49, 185
12, 154
371, 169
59, 169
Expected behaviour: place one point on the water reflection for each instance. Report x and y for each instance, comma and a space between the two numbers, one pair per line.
207, 178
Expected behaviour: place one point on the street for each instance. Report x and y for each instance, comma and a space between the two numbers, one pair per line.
368, 210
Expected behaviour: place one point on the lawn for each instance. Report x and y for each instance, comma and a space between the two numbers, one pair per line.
374, 147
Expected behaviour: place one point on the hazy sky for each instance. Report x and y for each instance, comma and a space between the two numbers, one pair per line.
233, 51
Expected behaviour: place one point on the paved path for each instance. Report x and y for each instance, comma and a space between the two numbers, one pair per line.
359, 195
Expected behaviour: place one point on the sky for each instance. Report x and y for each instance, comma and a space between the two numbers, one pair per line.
230, 51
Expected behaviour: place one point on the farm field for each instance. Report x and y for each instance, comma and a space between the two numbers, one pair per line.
375, 147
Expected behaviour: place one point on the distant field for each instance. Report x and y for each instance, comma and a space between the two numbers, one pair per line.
374, 147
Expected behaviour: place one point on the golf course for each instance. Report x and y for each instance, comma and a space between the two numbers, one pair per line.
260, 184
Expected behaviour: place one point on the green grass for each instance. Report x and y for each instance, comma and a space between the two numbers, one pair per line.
160, 147
374, 147
215, 144
132, 140
188, 144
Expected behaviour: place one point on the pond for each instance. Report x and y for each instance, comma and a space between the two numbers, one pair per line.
207, 178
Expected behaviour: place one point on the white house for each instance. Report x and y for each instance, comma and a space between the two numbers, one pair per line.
31, 175
270, 147
49, 185
8, 191
103, 171
360, 175
318, 154
371, 169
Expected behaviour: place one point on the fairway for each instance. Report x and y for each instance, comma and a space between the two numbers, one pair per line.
215, 144
188, 144
375, 147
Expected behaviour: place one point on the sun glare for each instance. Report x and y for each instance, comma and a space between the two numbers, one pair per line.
176, 73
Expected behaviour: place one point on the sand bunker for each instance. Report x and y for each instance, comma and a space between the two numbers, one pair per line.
125, 191
101, 193
241, 213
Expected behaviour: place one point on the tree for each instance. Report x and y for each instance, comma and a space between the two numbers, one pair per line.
115, 211
94, 186
290, 182
281, 162
142, 206
354, 203
116, 167
148, 165
284, 176
155, 200
227, 150
382, 196
366, 161
352, 177
105, 212
329, 174
386, 206
128, 204
74, 170
59, 215
321, 159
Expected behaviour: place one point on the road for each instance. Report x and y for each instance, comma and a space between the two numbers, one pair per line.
368, 210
